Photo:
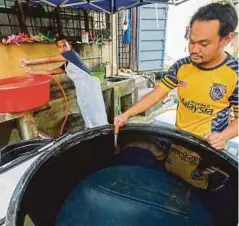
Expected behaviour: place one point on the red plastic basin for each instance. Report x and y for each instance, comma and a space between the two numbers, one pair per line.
24, 93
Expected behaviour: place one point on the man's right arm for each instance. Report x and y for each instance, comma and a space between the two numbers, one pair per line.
47, 72
168, 83
44, 60
147, 102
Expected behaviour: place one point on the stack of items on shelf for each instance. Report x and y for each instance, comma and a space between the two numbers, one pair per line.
25, 38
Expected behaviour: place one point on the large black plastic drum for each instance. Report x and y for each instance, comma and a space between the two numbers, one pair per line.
81, 181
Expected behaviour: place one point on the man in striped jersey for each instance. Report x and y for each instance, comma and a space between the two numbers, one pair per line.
207, 80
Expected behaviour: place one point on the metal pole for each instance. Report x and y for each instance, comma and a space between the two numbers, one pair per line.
21, 16
112, 45
112, 34
58, 19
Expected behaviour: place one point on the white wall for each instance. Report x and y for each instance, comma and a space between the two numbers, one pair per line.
178, 18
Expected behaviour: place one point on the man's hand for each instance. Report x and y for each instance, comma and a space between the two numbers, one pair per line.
120, 120
23, 63
216, 140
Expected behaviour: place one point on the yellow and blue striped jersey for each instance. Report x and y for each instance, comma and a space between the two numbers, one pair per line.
206, 96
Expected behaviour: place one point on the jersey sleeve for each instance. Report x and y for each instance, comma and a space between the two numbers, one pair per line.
170, 80
234, 101
233, 63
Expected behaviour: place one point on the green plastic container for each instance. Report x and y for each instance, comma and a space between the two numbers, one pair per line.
99, 72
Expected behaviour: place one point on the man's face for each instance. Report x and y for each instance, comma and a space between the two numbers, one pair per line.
205, 44
63, 46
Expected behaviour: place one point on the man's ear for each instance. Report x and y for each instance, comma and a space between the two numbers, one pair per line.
227, 39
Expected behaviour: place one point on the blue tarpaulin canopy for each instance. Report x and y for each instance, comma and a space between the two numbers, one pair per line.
108, 6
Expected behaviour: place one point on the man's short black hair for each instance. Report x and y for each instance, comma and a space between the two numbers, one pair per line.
59, 38
225, 13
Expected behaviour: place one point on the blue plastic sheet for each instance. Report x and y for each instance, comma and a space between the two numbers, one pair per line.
109, 6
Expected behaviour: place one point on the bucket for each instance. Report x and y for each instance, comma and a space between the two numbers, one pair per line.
17, 150
81, 181
14, 159
100, 75
99, 72
19, 94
